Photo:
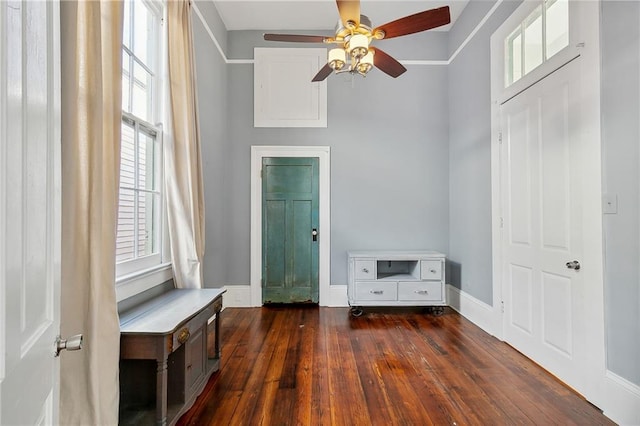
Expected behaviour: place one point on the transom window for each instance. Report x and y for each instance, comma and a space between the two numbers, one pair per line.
541, 35
139, 237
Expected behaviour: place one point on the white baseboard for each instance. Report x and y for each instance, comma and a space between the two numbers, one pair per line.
338, 296
476, 311
621, 400
237, 296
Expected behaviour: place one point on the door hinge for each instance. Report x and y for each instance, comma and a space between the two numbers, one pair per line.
502, 306
501, 222
500, 137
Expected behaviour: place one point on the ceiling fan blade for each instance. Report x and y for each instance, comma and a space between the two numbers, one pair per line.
416, 23
349, 11
387, 64
323, 73
297, 38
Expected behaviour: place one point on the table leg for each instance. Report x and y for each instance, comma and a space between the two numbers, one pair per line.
161, 391
217, 338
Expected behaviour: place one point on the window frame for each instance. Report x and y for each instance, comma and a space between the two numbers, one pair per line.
537, 9
144, 262
136, 275
500, 91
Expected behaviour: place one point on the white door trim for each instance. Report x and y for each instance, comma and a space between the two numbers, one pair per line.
323, 153
584, 42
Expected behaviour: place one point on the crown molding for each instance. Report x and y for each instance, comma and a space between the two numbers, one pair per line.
403, 61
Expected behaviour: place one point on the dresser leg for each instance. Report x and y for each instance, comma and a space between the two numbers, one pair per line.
161, 392
217, 338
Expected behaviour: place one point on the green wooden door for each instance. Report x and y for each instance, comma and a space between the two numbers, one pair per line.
289, 217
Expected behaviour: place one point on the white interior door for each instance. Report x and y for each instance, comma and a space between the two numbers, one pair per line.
543, 190
29, 211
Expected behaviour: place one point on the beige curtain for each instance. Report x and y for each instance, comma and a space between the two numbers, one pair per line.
91, 44
183, 167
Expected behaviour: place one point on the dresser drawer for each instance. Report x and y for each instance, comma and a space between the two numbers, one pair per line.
365, 270
376, 291
431, 269
420, 290
190, 328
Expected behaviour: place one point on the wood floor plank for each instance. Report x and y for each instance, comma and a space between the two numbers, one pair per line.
348, 405
303, 359
320, 366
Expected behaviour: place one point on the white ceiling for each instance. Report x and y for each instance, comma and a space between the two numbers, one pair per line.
320, 14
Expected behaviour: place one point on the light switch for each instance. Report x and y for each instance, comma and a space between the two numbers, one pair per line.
610, 204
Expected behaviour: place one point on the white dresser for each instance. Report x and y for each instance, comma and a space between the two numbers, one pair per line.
396, 278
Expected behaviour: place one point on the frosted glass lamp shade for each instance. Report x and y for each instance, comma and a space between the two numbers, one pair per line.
358, 46
366, 63
337, 58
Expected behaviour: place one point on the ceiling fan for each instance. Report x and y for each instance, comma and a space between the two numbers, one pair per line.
354, 35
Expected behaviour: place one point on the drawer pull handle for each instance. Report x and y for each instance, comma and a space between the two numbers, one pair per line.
184, 335
365, 270
422, 292
377, 292
433, 271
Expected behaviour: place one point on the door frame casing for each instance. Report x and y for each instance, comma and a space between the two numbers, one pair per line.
583, 42
323, 153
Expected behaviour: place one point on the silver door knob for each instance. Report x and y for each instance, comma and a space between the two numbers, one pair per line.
71, 344
574, 264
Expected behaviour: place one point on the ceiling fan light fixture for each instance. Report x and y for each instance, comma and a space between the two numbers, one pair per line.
353, 34
358, 46
366, 63
337, 58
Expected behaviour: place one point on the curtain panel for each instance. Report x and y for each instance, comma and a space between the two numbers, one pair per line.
182, 154
91, 63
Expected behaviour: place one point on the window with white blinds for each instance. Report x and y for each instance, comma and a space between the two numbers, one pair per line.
139, 235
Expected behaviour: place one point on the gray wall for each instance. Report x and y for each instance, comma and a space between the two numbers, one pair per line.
621, 156
470, 151
389, 154
212, 76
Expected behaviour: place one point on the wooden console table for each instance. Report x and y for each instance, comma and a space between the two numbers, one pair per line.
169, 347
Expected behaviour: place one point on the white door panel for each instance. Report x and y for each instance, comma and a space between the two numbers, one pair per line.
521, 298
29, 212
542, 208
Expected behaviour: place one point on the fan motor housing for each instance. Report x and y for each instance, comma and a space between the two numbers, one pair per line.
364, 28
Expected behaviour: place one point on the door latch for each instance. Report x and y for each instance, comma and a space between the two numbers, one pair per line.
314, 234
71, 344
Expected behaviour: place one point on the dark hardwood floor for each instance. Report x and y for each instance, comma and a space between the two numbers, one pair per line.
320, 366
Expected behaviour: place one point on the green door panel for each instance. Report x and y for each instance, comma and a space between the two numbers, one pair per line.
289, 214
274, 234
302, 255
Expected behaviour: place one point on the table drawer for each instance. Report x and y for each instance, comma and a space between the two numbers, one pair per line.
187, 330
365, 270
420, 290
431, 269
376, 291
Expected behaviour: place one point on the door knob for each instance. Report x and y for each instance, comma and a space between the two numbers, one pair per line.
314, 234
71, 344
574, 264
